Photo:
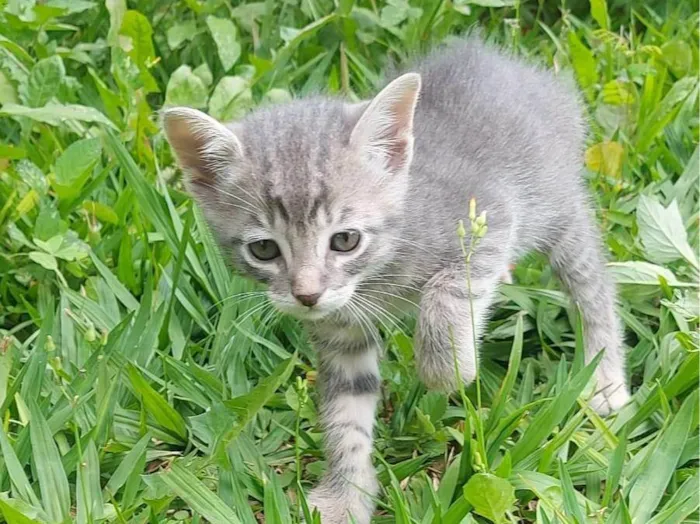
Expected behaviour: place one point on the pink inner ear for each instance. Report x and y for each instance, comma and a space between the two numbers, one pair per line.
386, 128
397, 151
403, 109
188, 145
201, 148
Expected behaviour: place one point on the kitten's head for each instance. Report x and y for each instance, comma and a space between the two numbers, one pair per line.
305, 197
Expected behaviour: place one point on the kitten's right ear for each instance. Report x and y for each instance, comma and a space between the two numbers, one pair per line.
385, 129
204, 147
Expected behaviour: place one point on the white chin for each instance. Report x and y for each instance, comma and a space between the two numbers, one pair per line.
313, 314
304, 313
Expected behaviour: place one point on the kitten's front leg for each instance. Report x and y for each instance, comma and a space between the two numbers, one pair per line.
445, 327
349, 380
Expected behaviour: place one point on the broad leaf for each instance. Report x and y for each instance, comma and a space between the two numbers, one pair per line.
490, 495
641, 273
583, 61
662, 232
74, 166
225, 37
231, 98
57, 114
182, 32
606, 158
44, 259
137, 28
44, 81
599, 12
117, 9
186, 89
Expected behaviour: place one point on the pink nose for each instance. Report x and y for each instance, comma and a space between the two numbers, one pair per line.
308, 300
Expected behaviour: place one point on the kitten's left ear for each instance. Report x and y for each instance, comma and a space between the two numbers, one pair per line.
385, 129
205, 148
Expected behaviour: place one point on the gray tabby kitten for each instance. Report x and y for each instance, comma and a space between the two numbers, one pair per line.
348, 212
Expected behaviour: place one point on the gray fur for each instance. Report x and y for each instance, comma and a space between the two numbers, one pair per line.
487, 126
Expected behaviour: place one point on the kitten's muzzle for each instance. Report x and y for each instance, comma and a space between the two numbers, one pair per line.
307, 285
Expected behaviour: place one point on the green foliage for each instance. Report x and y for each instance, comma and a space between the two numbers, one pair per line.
140, 381
490, 495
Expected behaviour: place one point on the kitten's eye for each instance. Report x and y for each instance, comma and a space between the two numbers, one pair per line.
345, 240
264, 249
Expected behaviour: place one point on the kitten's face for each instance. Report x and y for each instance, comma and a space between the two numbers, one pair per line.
304, 197
313, 244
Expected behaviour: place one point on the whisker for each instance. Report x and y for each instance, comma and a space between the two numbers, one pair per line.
407, 275
385, 276
379, 310
394, 295
373, 315
269, 317
425, 249
237, 298
380, 283
256, 309
352, 308
248, 205
244, 208
232, 195
394, 321
365, 322
256, 198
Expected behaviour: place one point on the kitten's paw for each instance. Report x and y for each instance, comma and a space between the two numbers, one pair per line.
337, 506
610, 399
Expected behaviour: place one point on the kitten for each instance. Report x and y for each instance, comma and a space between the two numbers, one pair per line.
348, 212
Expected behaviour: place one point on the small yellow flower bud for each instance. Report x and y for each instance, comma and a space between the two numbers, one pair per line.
56, 363
472, 209
481, 219
461, 232
50, 346
311, 377
90, 333
478, 461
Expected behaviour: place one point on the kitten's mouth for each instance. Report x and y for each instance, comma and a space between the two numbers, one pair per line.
332, 302
304, 312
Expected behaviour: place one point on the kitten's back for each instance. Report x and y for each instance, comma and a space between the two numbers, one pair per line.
495, 127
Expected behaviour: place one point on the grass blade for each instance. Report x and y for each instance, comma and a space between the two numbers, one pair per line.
53, 482
501, 399
120, 291
571, 505
156, 405
193, 491
21, 487
552, 414
127, 465
650, 485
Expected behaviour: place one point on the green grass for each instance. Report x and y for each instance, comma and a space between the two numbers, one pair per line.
137, 382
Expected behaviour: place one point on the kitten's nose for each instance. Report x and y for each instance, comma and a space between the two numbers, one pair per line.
308, 300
